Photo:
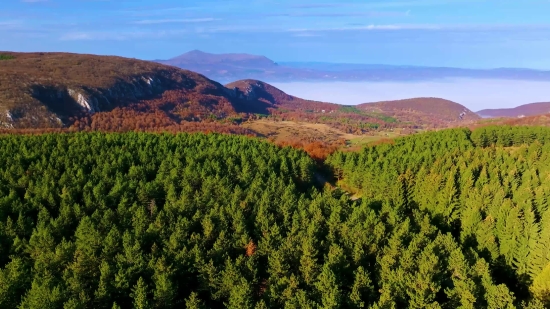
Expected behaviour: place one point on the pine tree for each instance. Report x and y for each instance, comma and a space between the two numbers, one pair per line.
139, 295
193, 302
327, 287
308, 261
14, 279
362, 289
43, 294
540, 288
240, 296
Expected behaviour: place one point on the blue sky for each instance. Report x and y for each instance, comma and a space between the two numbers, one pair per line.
460, 33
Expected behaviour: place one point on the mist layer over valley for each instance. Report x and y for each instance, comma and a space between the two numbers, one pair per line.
475, 94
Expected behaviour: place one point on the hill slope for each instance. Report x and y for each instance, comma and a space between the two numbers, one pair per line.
54, 90
48, 89
435, 111
522, 110
282, 106
258, 91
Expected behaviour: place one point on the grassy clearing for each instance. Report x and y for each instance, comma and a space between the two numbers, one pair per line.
290, 130
366, 139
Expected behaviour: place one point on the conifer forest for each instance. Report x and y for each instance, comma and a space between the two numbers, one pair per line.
446, 219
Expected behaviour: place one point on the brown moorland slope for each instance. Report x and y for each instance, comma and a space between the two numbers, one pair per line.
39, 90
433, 111
531, 109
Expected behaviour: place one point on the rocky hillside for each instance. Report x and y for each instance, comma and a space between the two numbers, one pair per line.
49, 89
520, 111
435, 111
270, 98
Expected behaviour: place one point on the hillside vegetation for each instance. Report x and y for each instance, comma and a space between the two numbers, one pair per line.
434, 112
281, 106
39, 90
449, 219
410, 113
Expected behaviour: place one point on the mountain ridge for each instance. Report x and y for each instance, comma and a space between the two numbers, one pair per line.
198, 57
247, 66
531, 109
56, 90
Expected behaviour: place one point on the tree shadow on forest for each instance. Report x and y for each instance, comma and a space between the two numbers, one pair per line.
501, 272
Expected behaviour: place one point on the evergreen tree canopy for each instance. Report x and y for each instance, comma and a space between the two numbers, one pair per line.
448, 219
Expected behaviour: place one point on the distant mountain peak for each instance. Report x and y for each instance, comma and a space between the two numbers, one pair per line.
195, 52
220, 61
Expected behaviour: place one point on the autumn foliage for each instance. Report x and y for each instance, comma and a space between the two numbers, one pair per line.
318, 150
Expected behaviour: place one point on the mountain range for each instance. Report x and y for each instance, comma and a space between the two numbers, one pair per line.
56, 90
90, 92
230, 67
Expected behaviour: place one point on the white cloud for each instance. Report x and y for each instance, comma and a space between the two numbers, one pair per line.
118, 36
154, 11
442, 27
76, 36
306, 34
378, 4
10, 24
166, 21
370, 27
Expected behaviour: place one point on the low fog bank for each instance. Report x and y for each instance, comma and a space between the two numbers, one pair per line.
475, 94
